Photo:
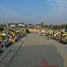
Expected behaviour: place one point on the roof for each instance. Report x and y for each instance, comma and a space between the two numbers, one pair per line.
38, 25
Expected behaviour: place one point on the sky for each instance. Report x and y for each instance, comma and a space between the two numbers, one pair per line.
33, 11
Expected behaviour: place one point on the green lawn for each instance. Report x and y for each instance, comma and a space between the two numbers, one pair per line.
17, 28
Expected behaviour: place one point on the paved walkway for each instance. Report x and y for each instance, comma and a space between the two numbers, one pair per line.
58, 44
38, 51
9, 52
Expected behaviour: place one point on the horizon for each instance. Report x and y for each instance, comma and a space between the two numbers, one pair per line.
34, 24
33, 12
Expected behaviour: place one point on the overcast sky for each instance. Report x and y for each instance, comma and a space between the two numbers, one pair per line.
33, 11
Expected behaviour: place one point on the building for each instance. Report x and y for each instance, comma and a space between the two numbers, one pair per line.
21, 25
13, 25
30, 26
38, 25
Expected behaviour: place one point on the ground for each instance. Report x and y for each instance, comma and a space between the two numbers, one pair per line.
39, 51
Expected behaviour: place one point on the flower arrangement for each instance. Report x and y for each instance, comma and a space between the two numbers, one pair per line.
0, 42
12, 33
2, 37
0, 32
13, 39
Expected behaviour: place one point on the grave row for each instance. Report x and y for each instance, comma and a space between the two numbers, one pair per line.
60, 36
8, 37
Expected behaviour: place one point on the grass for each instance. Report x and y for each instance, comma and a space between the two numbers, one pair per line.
17, 28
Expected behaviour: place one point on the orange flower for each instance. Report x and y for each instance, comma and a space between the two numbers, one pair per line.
11, 32
0, 32
59, 35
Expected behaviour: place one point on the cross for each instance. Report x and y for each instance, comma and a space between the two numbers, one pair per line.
45, 64
37, 43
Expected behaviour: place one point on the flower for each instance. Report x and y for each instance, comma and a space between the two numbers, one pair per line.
0, 32
11, 33
0, 42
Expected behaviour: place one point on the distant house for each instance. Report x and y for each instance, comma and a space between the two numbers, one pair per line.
30, 26
21, 25
62, 30
55, 27
7, 25
38, 25
2, 25
46, 26
13, 25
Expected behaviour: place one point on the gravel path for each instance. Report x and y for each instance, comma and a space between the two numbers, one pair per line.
38, 51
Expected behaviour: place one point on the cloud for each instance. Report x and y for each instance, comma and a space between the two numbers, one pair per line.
58, 14
57, 4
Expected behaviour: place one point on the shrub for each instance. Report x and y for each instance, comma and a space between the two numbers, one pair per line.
1, 29
27, 31
66, 28
2, 37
